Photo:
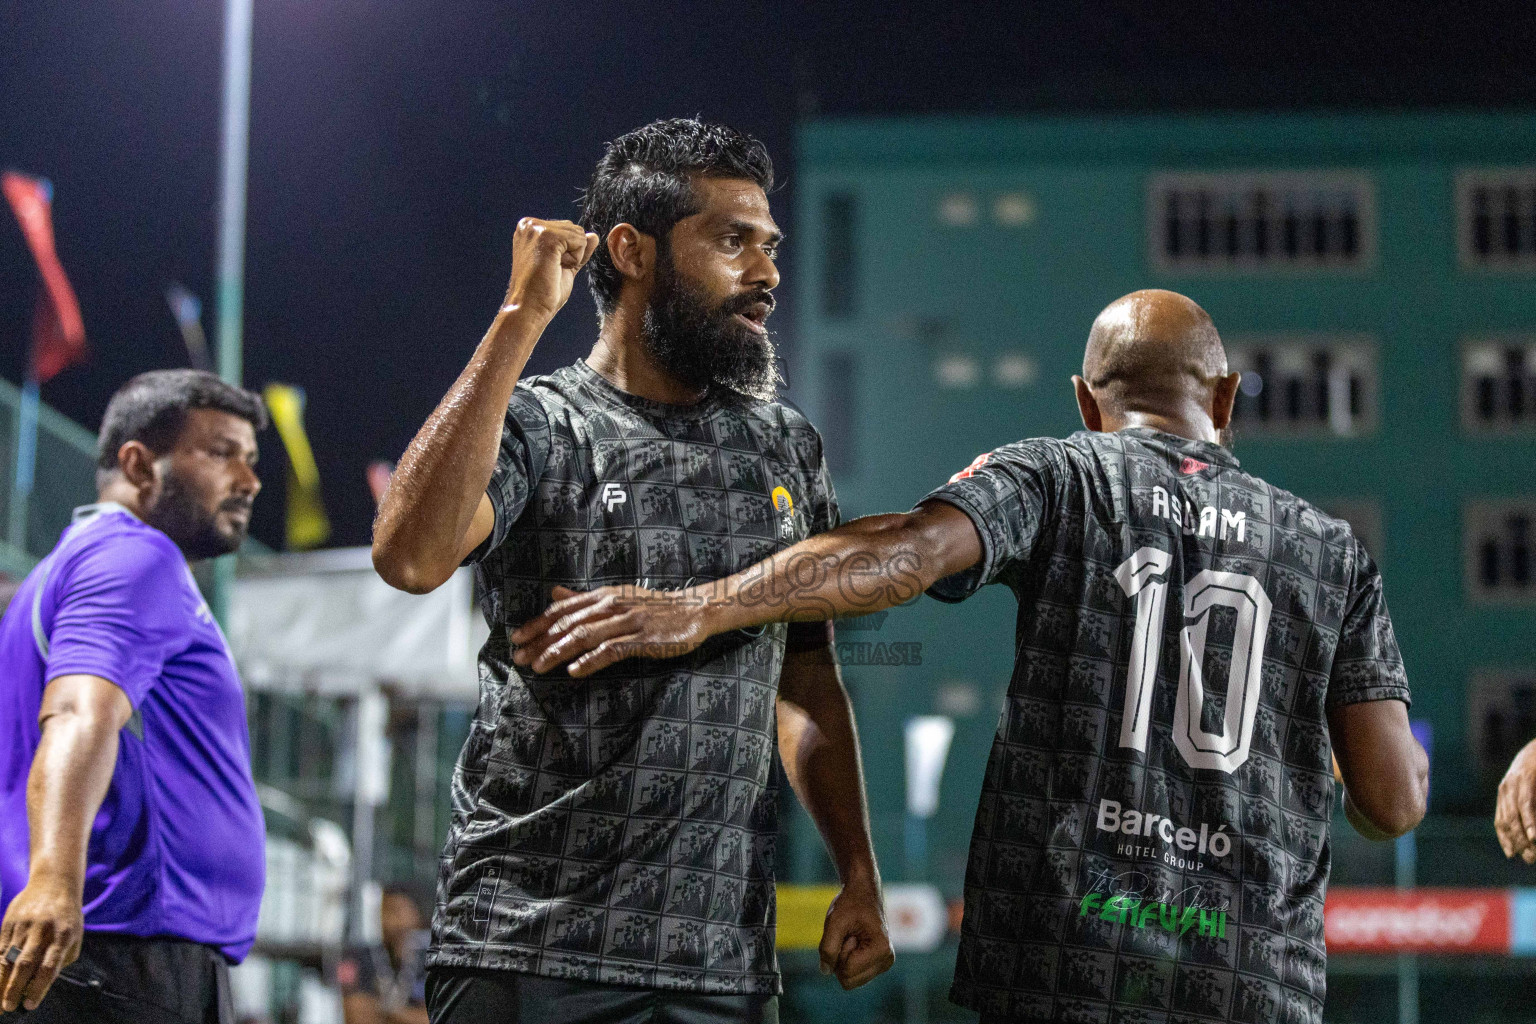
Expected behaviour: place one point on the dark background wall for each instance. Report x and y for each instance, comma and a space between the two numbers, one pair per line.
393, 146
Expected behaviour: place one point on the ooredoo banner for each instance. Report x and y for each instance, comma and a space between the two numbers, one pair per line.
1418, 921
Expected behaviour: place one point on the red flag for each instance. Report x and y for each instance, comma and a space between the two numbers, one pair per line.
58, 331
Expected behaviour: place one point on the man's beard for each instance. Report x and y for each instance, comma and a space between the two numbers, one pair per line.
193, 528
699, 345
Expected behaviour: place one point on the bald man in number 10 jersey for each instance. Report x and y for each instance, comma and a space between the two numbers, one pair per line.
1152, 842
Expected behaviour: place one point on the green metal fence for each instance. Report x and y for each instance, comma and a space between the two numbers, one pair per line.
65, 478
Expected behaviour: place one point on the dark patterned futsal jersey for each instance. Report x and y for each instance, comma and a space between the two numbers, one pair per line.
621, 828
1152, 841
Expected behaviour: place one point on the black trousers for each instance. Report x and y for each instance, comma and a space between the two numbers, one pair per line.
123, 979
461, 996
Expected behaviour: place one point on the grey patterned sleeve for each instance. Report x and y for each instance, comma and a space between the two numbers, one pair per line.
525, 441
1010, 494
824, 511
1367, 664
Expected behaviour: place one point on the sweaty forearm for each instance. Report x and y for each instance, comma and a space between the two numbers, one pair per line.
442, 476
818, 744
68, 781
862, 567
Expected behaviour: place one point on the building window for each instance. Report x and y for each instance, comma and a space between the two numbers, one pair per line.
956, 370
1014, 370
1501, 718
957, 210
1497, 543
839, 221
1261, 222
1305, 385
1496, 218
1013, 210
1498, 384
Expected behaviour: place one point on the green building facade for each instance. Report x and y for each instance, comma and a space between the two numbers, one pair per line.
1374, 276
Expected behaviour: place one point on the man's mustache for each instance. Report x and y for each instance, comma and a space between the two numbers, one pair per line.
743, 302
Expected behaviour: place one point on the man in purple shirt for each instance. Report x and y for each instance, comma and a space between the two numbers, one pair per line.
131, 839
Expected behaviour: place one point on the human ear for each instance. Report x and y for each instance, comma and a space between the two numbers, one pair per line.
137, 464
632, 251
1087, 405
1223, 397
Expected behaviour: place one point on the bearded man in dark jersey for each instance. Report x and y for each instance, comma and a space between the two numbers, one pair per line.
610, 853
1153, 837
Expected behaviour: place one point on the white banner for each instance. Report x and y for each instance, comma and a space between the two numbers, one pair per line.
325, 621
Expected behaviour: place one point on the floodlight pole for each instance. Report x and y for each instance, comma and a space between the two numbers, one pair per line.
1406, 859
234, 133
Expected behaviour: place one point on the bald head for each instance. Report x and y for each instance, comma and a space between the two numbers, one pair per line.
1155, 353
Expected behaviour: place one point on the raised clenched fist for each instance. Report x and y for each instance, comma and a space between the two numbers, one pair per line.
546, 254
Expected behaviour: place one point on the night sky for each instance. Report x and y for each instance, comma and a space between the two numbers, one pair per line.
394, 145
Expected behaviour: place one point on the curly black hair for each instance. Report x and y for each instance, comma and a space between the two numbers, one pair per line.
645, 179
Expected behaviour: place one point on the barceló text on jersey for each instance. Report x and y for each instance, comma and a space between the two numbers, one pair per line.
1176, 839
1206, 521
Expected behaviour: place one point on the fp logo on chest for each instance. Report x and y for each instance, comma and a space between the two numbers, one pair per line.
614, 495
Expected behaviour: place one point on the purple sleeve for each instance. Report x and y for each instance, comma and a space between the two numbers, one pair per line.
120, 613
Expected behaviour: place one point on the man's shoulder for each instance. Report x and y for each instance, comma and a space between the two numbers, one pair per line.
1056, 447
1035, 452
543, 392
560, 402
779, 428
560, 380
1290, 510
117, 542
778, 414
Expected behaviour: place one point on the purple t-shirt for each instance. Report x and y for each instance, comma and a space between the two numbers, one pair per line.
177, 848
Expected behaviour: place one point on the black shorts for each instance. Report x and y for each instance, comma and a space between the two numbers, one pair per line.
123, 979
462, 996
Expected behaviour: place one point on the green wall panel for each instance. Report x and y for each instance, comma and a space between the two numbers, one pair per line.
926, 290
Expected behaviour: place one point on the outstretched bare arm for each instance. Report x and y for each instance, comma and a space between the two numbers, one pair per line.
861, 567
73, 766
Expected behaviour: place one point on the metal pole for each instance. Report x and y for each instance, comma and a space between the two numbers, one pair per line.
424, 818
234, 137
370, 766
915, 976
26, 463
1407, 864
